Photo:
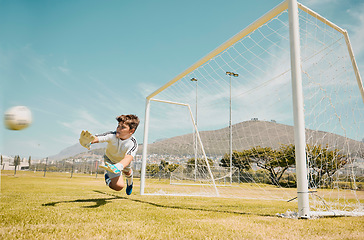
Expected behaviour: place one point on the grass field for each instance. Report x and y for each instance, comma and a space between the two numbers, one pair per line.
82, 207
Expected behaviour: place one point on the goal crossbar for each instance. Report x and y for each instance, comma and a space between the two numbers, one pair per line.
271, 14
252, 27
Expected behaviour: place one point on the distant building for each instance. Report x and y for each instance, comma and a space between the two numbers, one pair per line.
8, 164
137, 162
356, 168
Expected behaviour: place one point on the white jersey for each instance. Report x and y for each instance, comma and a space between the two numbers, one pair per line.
117, 148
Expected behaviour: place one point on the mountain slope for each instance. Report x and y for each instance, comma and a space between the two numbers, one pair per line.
250, 134
74, 150
245, 135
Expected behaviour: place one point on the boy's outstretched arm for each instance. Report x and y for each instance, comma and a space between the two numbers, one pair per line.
96, 140
117, 167
126, 160
86, 139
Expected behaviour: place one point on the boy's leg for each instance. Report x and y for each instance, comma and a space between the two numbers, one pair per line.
113, 180
129, 181
117, 183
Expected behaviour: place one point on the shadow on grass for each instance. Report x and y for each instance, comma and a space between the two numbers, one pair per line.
102, 201
183, 207
98, 202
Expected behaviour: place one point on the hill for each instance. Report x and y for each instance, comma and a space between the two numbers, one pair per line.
75, 150
250, 134
245, 135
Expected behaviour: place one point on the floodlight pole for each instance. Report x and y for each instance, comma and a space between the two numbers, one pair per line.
45, 167
299, 121
231, 129
195, 80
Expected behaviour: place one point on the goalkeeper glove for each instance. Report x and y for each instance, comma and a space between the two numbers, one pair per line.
86, 138
114, 168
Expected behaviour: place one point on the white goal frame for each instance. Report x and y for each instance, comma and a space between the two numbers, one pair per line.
299, 124
142, 180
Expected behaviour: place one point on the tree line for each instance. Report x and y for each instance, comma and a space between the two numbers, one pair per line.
268, 165
323, 162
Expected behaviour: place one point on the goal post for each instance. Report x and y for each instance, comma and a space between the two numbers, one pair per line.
297, 106
298, 112
145, 146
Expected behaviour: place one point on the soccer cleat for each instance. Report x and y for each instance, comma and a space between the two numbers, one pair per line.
110, 167
107, 179
129, 188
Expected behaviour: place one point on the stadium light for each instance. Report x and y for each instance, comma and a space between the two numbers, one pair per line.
231, 74
195, 80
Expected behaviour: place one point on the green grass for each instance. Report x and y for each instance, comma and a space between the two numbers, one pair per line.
58, 207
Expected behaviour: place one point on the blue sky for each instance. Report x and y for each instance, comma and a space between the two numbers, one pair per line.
78, 64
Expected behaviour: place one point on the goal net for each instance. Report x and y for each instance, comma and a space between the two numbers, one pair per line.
224, 127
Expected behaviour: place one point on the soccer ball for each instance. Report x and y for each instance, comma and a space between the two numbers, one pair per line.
17, 118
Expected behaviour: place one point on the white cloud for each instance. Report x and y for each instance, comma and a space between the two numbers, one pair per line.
83, 120
313, 3
63, 69
356, 30
146, 88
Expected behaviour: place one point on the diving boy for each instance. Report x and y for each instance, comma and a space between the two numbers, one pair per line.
120, 151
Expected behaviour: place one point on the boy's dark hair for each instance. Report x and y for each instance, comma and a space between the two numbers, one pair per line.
131, 120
